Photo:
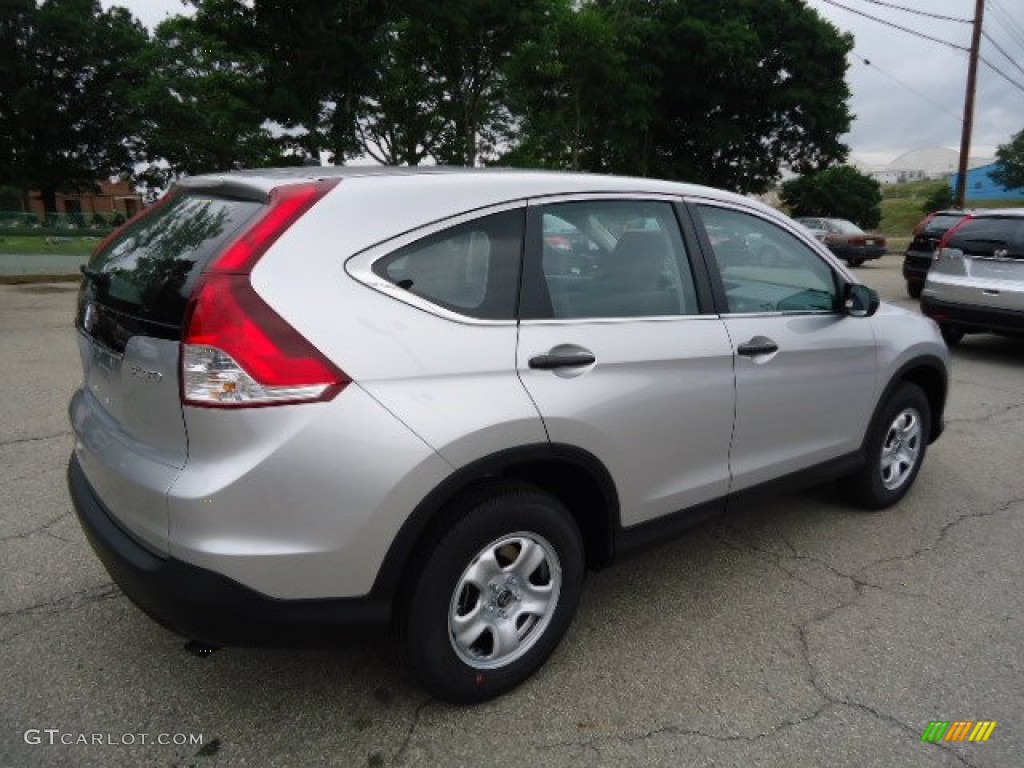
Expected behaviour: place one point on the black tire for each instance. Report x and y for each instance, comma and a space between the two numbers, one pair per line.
855, 262
951, 334
914, 290
874, 486
494, 522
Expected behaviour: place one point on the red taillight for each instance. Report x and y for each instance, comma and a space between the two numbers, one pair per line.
950, 231
238, 352
924, 222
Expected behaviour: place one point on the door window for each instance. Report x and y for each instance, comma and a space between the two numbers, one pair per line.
764, 268
612, 258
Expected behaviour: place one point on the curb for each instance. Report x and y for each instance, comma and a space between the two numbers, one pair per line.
29, 279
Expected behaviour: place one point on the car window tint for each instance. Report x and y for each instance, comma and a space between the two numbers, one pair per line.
986, 235
150, 267
764, 268
611, 258
472, 268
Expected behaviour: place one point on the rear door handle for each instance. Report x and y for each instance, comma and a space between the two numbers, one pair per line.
759, 345
552, 362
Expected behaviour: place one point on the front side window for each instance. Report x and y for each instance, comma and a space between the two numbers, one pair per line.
615, 258
764, 268
471, 268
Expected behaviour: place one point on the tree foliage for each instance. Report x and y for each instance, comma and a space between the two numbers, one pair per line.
69, 76
699, 90
1009, 169
939, 198
202, 105
840, 192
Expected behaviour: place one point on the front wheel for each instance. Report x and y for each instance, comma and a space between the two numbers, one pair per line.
494, 595
895, 449
855, 262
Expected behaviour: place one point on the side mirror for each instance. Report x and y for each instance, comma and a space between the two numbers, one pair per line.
859, 300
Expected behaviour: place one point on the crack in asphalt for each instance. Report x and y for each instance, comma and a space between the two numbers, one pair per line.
70, 602
414, 723
725, 535
34, 439
997, 508
1001, 411
43, 529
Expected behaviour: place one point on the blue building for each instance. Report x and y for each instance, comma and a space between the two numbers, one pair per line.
981, 186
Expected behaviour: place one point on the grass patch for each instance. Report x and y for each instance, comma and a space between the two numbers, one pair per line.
73, 246
903, 206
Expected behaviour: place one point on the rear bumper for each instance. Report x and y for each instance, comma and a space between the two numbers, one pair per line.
858, 253
972, 317
204, 605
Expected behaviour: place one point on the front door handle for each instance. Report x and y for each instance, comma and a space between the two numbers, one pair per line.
552, 362
759, 345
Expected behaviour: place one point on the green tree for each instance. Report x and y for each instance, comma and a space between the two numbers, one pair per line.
841, 191
577, 103
1010, 163
697, 90
68, 113
940, 197
202, 104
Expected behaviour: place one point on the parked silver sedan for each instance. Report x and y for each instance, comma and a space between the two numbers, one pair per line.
331, 398
976, 283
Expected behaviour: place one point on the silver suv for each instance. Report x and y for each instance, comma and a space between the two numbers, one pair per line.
976, 283
353, 398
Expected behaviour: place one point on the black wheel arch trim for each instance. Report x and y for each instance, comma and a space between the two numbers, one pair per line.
928, 362
495, 466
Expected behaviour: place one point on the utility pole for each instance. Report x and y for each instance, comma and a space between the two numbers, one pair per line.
972, 77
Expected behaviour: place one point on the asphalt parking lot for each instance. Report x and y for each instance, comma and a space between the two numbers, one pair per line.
800, 632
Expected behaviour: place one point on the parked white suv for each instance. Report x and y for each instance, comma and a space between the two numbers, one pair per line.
338, 398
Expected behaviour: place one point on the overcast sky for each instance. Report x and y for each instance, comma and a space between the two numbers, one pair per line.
911, 94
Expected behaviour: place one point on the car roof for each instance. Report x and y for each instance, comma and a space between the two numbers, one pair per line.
515, 183
998, 212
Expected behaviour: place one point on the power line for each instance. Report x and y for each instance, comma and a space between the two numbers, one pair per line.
914, 32
1002, 74
1000, 49
924, 96
1008, 24
921, 13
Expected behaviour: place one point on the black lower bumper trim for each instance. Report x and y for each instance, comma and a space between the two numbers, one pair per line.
200, 604
971, 317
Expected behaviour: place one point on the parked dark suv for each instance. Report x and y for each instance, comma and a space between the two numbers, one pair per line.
927, 234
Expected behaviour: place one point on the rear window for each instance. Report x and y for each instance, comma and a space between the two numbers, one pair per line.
150, 268
990, 236
942, 222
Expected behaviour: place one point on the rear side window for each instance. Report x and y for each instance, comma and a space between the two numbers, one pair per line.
990, 236
150, 268
471, 268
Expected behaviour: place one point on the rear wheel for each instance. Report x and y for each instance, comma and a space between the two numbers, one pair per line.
914, 290
494, 595
855, 262
895, 449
